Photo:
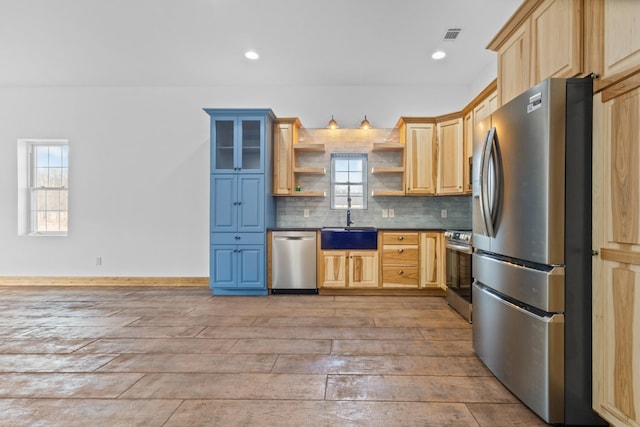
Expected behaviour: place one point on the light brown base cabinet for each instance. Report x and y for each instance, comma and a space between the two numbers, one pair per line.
404, 260
412, 259
349, 269
400, 259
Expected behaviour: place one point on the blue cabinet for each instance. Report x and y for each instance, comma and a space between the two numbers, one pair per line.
238, 264
241, 204
237, 142
237, 203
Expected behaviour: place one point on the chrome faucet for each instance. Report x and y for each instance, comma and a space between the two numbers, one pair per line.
349, 222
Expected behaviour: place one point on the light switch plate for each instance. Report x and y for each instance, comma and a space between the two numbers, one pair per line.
391, 213
385, 213
443, 213
306, 213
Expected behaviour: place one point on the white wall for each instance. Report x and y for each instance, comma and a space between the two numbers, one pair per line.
139, 166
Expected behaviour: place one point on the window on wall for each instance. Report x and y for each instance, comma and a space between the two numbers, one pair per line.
348, 181
43, 200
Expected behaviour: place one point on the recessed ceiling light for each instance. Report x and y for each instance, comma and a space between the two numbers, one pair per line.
251, 55
438, 54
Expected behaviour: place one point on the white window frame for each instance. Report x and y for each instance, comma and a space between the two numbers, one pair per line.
33, 218
361, 181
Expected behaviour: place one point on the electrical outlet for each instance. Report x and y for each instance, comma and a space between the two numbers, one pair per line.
391, 213
443, 213
385, 213
99, 261
306, 213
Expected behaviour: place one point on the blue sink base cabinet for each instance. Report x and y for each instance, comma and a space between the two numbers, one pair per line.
241, 204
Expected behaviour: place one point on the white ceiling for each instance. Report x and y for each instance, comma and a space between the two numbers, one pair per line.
202, 42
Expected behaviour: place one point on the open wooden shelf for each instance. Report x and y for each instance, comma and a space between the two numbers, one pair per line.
390, 169
308, 194
387, 146
318, 148
375, 193
317, 171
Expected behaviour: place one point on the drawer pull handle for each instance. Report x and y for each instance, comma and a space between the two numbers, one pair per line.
400, 237
400, 272
400, 251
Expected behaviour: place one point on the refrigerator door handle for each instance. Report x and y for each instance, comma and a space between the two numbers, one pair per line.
487, 206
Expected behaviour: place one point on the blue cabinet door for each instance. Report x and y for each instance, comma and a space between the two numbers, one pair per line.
237, 144
222, 264
237, 266
251, 203
237, 203
251, 271
223, 202
223, 144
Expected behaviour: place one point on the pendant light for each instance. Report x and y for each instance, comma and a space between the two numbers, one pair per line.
365, 123
332, 123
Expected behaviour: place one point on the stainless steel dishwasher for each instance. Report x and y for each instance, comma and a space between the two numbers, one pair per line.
293, 262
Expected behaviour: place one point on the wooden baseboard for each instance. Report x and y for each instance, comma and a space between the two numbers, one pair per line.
103, 281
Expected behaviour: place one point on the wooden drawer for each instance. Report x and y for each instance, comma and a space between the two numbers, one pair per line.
400, 254
399, 276
400, 238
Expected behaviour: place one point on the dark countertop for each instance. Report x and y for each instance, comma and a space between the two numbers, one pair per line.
379, 229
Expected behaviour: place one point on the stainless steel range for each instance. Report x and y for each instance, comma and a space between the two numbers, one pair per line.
458, 271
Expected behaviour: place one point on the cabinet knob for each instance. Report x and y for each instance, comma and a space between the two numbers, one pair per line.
400, 251
400, 237
400, 272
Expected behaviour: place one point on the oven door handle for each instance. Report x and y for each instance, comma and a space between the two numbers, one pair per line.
459, 248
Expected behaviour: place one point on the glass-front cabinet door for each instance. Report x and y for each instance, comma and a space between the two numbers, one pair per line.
237, 144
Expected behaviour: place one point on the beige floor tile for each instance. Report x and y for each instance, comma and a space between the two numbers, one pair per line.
158, 345
323, 322
320, 414
109, 332
281, 346
194, 363
228, 386
53, 362
70, 321
65, 385
449, 321
85, 412
218, 321
313, 333
50, 346
504, 415
402, 347
447, 334
417, 388
383, 365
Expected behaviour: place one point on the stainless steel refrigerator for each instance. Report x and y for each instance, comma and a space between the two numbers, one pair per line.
532, 248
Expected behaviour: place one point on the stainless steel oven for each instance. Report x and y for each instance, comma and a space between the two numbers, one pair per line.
458, 271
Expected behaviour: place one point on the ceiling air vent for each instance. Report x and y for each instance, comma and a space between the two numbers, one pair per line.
452, 34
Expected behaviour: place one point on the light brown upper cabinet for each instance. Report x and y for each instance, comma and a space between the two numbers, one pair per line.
513, 64
543, 39
621, 37
556, 40
285, 133
286, 157
419, 137
450, 157
479, 109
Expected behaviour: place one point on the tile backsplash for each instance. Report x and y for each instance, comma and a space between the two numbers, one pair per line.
409, 212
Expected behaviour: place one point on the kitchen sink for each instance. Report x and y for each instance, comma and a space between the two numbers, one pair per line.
349, 238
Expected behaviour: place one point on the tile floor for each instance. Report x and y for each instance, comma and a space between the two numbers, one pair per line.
152, 356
